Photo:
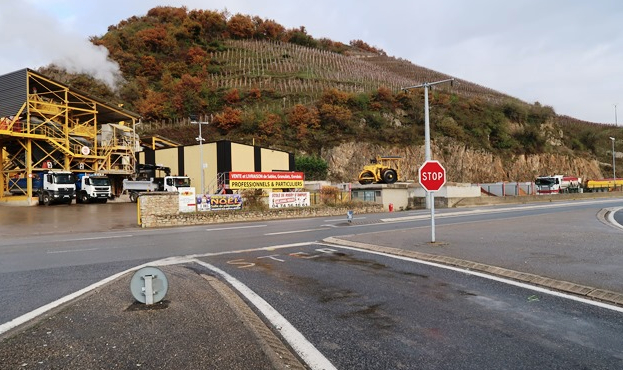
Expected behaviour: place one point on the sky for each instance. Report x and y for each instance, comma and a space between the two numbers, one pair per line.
567, 54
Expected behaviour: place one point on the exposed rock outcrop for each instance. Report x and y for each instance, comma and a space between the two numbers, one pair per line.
462, 164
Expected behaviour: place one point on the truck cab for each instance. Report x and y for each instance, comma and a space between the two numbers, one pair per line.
93, 188
56, 187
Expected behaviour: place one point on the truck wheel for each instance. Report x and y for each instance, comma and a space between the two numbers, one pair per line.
84, 198
47, 200
389, 176
133, 197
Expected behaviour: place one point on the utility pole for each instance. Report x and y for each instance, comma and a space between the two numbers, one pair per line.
427, 155
614, 171
200, 139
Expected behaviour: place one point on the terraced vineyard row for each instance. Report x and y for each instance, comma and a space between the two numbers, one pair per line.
302, 71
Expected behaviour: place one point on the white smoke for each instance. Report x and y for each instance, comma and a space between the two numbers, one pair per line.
32, 39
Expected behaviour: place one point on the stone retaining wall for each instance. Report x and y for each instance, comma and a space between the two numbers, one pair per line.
161, 209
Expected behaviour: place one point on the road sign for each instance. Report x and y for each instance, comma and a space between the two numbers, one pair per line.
432, 176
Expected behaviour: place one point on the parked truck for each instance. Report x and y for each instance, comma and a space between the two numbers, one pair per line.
93, 188
557, 184
603, 185
149, 178
53, 186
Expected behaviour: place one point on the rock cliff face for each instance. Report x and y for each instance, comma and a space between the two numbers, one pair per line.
462, 164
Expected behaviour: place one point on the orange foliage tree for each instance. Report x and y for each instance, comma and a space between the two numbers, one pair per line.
303, 119
241, 26
270, 128
232, 96
228, 119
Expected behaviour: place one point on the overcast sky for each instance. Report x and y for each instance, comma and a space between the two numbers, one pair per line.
567, 54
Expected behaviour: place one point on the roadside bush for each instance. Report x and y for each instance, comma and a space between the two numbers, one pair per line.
329, 195
253, 200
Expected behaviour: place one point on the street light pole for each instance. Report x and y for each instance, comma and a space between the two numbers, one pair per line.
427, 152
614, 171
200, 139
615, 115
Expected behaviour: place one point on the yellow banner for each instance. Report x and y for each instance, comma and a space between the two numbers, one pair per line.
266, 184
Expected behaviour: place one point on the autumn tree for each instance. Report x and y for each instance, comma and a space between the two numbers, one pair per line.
196, 56
232, 96
366, 47
153, 106
228, 119
213, 23
270, 128
188, 95
241, 27
270, 29
155, 39
303, 120
335, 97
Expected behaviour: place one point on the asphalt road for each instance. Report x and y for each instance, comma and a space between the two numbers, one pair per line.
76, 246
370, 311
80, 244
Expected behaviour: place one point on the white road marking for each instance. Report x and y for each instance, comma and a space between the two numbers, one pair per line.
81, 250
494, 210
611, 219
308, 353
43, 309
99, 237
490, 277
236, 227
344, 219
297, 231
271, 248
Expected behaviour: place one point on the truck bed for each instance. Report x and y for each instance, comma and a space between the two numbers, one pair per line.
139, 185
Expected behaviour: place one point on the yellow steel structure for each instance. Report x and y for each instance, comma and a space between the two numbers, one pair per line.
57, 127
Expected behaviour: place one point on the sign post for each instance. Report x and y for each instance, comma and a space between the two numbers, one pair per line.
432, 177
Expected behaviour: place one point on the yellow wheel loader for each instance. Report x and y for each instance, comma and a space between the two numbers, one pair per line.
381, 170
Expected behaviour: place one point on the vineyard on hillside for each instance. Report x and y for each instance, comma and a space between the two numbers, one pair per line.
302, 73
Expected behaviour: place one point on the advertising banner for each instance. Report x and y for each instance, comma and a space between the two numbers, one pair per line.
288, 199
219, 202
187, 200
266, 180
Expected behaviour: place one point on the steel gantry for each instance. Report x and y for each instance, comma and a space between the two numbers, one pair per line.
45, 124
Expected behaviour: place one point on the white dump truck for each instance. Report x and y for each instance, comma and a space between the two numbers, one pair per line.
147, 180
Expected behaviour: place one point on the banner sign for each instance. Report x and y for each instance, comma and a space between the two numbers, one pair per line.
266, 180
219, 202
187, 200
288, 199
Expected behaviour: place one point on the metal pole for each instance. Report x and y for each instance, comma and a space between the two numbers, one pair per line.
615, 115
430, 198
426, 125
614, 171
195, 120
201, 159
432, 217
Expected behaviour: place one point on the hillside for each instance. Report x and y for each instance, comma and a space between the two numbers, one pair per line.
256, 81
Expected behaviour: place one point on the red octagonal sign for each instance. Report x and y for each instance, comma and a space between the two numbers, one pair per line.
432, 175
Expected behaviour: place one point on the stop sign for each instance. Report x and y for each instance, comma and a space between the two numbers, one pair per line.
432, 175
